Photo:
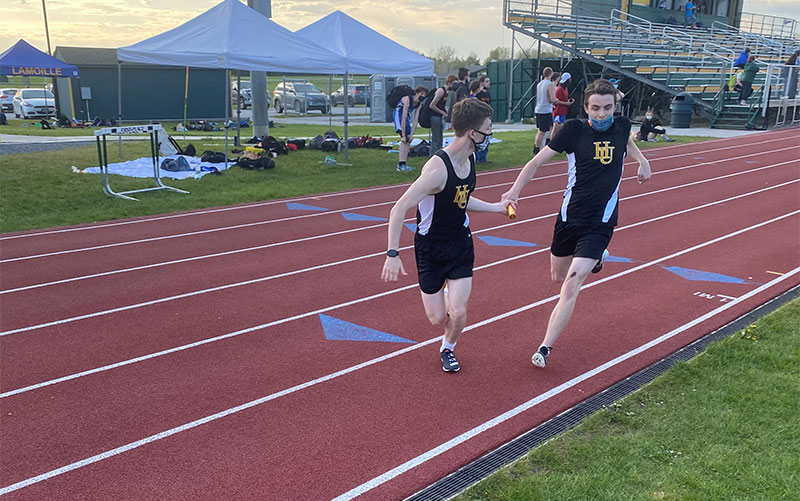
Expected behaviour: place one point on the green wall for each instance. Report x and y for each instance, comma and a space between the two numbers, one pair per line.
149, 93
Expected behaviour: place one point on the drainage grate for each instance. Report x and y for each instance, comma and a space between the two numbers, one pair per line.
482, 467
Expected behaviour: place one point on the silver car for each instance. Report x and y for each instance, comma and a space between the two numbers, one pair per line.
30, 103
300, 97
7, 99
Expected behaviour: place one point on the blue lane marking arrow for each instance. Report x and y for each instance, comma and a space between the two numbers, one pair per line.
699, 158
412, 227
339, 330
505, 242
751, 161
703, 276
296, 206
352, 216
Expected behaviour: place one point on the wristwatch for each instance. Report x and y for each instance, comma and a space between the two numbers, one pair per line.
392, 253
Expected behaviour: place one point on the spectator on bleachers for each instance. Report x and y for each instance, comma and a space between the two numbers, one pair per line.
649, 130
689, 17
748, 75
562, 103
742, 59
662, 4
789, 76
544, 108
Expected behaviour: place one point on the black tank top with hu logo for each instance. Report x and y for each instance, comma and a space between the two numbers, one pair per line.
443, 216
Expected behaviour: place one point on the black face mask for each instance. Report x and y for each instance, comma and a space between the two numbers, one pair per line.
483, 144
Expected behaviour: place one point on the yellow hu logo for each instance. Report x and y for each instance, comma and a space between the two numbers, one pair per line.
461, 196
603, 151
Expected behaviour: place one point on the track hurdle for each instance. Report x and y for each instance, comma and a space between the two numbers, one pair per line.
102, 154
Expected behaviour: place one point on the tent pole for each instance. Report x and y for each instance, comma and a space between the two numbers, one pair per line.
119, 102
330, 108
238, 141
346, 149
227, 111
185, 103
71, 97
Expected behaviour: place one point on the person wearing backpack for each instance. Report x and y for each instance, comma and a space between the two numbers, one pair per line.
438, 108
483, 95
459, 90
402, 123
443, 245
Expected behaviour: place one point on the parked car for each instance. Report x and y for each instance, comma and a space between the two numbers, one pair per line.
356, 94
7, 99
300, 97
34, 103
246, 97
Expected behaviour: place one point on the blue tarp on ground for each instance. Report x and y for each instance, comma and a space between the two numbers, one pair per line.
23, 59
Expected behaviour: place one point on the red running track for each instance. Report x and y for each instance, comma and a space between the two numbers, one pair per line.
113, 387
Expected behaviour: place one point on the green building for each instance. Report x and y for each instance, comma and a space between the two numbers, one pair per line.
148, 92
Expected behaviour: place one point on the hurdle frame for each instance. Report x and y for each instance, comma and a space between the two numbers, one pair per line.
102, 154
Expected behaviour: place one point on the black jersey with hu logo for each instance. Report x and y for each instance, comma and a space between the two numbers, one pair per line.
595, 169
443, 216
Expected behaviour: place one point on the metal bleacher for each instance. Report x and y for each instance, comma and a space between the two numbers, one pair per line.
664, 57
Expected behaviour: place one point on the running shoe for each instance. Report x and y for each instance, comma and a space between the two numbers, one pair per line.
599, 265
539, 358
449, 362
404, 168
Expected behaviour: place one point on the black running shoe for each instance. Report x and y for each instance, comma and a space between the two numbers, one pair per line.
449, 362
539, 358
599, 266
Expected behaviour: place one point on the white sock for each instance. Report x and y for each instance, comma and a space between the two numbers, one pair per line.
447, 346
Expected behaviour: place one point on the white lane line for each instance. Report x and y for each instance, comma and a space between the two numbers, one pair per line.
358, 258
328, 212
248, 249
375, 296
337, 194
452, 443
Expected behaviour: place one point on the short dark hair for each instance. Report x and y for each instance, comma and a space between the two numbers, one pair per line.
483, 79
555, 76
463, 73
601, 87
474, 86
421, 88
469, 114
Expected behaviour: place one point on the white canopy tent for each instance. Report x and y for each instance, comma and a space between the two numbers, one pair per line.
232, 36
365, 51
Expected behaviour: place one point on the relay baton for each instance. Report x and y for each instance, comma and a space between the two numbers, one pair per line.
512, 214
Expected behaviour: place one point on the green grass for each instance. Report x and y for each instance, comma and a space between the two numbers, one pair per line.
721, 426
281, 130
40, 190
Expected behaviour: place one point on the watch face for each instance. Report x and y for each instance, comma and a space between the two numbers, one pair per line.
392, 253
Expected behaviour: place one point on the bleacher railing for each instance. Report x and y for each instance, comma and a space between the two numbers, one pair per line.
770, 26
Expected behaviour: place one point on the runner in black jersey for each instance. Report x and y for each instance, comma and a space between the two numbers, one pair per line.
443, 242
596, 150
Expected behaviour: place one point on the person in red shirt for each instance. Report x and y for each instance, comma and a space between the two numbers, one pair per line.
562, 102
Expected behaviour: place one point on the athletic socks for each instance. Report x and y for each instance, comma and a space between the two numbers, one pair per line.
447, 346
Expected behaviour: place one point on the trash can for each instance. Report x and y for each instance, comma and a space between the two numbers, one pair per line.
682, 109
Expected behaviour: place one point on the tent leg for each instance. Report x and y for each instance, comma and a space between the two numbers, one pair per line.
346, 139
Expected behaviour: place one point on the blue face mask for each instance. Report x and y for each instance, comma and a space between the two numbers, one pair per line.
599, 125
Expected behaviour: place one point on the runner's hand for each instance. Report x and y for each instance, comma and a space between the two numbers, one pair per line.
392, 267
509, 197
644, 171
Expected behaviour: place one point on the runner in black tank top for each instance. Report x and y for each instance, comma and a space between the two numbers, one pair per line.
443, 243
596, 150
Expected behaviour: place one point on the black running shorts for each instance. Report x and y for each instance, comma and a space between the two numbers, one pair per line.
580, 239
544, 121
439, 260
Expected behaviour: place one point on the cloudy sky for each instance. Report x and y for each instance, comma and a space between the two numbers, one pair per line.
422, 25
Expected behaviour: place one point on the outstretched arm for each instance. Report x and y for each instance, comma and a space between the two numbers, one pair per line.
477, 205
527, 173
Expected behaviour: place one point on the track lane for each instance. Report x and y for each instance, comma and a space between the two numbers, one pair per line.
251, 441
195, 383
